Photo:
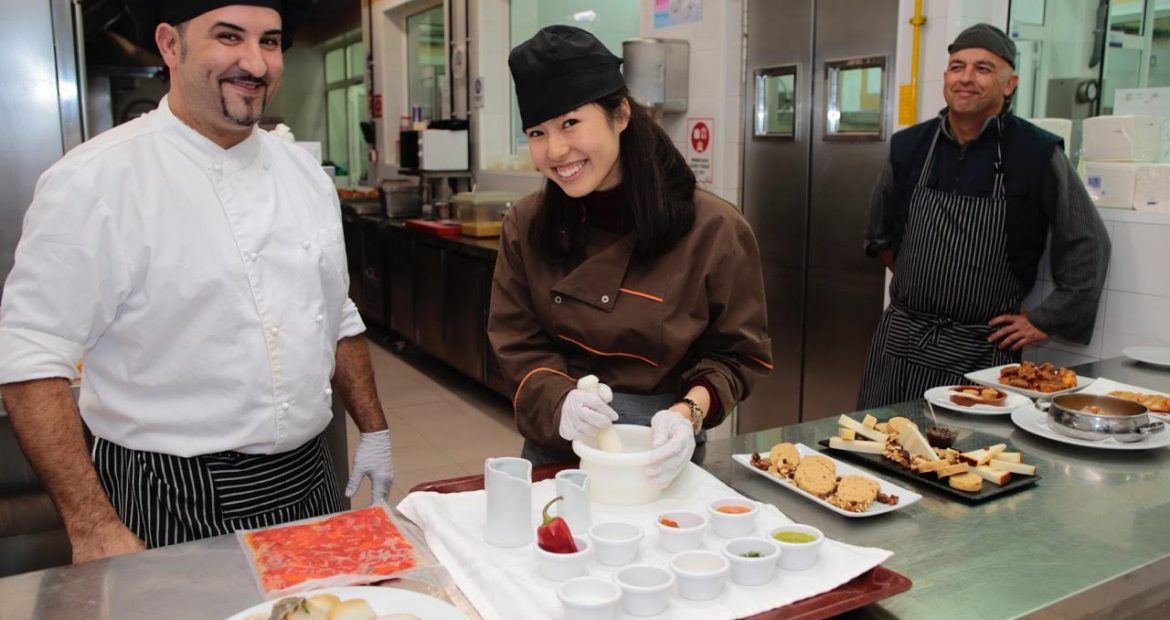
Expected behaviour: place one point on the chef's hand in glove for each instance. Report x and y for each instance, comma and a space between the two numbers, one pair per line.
674, 443
585, 412
373, 458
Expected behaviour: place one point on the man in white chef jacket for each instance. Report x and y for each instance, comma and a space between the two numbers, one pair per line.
197, 265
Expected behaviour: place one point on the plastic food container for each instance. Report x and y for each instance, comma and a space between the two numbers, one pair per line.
481, 214
619, 479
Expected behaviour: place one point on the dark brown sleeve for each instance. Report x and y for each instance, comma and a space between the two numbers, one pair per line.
536, 371
734, 351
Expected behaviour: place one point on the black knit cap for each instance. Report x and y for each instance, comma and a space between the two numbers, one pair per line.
561, 68
987, 37
148, 14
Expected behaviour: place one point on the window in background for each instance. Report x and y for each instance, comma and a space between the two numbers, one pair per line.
611, 21
426, 62
345, 100
855, 99
776, 103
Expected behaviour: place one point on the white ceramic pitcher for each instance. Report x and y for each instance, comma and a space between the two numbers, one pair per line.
573, 486
508, 482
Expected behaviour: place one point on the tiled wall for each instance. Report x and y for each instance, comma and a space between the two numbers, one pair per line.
1135, 306
716, 84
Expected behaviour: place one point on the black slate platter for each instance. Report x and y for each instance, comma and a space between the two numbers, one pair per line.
965, 440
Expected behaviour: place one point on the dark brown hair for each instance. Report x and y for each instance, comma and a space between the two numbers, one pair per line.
657, 185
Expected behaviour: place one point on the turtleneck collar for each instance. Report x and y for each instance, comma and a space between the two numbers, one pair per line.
608, 210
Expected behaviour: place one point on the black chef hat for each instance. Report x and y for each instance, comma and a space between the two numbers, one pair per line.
148, 14
559, 69
987, 37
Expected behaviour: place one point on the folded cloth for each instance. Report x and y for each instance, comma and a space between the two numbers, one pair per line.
505, 584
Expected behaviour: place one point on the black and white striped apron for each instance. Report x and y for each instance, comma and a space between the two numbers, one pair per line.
951, 276
166, 499
631, 409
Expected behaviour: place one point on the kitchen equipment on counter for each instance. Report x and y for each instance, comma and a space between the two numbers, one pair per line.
401, 199
437, 148
1094, 417
619, 478
481, 214
360, 200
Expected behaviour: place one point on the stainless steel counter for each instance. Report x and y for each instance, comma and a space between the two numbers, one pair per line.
1089, 539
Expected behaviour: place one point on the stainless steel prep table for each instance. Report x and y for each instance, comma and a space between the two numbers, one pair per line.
1089, 539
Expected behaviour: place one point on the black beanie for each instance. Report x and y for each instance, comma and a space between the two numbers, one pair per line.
987, 37
561, 68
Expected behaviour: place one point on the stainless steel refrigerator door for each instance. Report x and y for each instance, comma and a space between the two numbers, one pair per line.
775, 196
845, 288
39, 107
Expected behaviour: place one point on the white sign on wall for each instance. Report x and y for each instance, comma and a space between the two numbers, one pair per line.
701, 148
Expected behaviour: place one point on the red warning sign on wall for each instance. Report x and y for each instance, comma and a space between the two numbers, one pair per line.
701, 148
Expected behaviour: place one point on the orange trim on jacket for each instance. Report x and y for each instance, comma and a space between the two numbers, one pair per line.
516, 396
759, 361
641, 294
606, 353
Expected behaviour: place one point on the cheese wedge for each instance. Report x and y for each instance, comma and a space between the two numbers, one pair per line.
996, 450
977, 458
847, 434
951, 470
914, 443
861, 429
1015, 468
994, 476
869, 421
857, 445
1010, 457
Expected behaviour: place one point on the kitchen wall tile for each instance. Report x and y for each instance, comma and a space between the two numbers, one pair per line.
1139, 260
933, 53
1132, 319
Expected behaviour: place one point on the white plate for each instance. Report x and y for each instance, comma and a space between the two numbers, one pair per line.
990, 377
938, 397
383, 601
1154, 356
1103, 387
905, 497
1034, 421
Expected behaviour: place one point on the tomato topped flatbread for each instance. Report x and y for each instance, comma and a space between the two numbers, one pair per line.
362, 543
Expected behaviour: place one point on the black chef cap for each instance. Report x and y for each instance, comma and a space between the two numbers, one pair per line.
987, 37
148, 14
559, 69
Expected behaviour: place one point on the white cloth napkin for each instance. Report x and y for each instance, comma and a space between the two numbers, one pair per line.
505, 584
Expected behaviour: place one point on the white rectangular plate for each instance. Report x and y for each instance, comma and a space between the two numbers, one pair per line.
905, 496
990, 377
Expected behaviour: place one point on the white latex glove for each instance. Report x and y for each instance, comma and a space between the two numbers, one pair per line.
585, 412
674, 443
373, 458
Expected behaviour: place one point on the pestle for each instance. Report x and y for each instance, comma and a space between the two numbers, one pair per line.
607, 438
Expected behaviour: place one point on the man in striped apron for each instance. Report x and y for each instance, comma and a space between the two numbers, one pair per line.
962, 216
197, 263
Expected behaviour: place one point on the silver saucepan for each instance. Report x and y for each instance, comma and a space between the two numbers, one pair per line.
1094, 418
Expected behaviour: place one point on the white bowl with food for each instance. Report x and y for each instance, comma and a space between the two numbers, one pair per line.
752, 560
680, 530
800, 545
615, 543
700, 574
732, 517
562, 566
589, 598
645, 589
619, 478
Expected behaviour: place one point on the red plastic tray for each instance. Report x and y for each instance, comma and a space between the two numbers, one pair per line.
440, 228
869, 587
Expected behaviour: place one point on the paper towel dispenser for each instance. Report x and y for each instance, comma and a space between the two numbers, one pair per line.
657, 72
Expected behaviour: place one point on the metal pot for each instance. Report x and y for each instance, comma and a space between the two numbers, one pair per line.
401, 200
1119, 419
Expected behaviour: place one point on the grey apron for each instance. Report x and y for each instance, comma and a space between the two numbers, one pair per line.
951, 276
631, 409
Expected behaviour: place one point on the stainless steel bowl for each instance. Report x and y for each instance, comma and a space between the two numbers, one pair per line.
1118, 419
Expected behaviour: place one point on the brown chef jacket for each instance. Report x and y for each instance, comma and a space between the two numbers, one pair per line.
643, 326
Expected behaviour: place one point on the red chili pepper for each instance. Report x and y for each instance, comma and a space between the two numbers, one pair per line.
554, 535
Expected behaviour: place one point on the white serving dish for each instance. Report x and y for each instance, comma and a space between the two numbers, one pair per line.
939, 397
798, 556
990, 377
1035, 421
752, 571
699, 574
906, 497
619, 479
645, 589
1154, 356
589, 598
732, 525
615, 543
562, 566
382, 600
688, 535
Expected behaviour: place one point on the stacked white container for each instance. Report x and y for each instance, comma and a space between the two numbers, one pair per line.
1120, 163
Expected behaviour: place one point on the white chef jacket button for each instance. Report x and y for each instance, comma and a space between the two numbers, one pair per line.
605, 299
557, 299
329, 391
306, 244
253, 256
284, 406
274, 330
319, 318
